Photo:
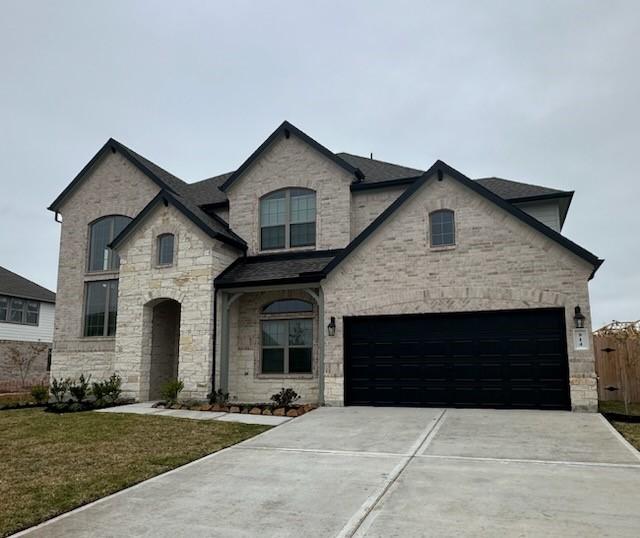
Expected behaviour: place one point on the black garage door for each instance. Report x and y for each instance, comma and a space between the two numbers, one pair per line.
506, 359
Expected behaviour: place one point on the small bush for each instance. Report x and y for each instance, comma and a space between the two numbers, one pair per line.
59, 388
40, 394
285, 397
113, 388
218, 397
170, 390
80, 389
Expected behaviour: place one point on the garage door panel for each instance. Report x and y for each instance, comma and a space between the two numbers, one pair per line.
491, 359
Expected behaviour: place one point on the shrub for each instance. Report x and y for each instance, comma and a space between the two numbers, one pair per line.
98, 391
171, 389
59, 388
113, 388
285, 397
218, 397
80, 389
40, 393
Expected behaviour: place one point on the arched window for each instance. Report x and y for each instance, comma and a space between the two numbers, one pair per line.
165, 249
287, 340
101, 233
286, 306
288, 219
442, 228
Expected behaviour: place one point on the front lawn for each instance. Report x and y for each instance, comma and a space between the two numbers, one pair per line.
50, 464
630, 430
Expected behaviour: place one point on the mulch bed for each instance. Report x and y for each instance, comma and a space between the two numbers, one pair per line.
618, 417
294, 410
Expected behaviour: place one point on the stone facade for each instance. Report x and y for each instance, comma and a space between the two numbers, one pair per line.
498, 263
113, 187
198, 259
246, 384
292, 163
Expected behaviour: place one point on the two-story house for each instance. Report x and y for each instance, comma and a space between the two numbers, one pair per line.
26, 330
352, 280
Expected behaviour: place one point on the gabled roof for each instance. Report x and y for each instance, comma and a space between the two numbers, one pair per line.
275, 269
376, 171
14, 285
438, 169
159, 176
212, 225
286, 129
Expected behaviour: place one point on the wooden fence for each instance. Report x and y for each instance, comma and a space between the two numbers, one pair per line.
618, 367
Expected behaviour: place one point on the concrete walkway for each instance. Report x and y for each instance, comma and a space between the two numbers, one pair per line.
390, 473
145, 408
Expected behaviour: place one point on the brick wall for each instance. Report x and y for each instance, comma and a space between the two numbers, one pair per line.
10, 374
293, 163
114, 186
498, 263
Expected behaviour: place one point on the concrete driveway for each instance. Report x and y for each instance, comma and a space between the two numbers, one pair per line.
390, 472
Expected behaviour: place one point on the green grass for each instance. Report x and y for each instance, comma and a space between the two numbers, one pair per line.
615, 406
50, 464
629, 430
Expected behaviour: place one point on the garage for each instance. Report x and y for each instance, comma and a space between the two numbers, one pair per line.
507, 359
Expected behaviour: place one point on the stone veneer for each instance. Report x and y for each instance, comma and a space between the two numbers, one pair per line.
198, 259
113, 187
246, 384
498, 263
293, 163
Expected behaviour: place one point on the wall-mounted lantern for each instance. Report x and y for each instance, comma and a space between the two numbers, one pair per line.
578, 318
331, 328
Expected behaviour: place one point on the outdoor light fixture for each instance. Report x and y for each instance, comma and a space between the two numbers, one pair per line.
578, 318
331, 328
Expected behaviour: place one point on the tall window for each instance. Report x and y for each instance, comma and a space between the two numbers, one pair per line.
16, 310
287, 343
288, 219
102, 232
101, 308
165, 249
442, 228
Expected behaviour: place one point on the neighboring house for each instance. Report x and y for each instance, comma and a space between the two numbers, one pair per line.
26, 330
351, 280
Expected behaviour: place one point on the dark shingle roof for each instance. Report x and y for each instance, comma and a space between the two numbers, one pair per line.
375, 171
276, 268
513, 190
18, 286
207, 191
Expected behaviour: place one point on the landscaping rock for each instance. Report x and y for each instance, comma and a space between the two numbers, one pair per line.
255, 411
234, 409
219, 408
309, 407
267, 412
280, 412
175, 406
205, 407
292, 413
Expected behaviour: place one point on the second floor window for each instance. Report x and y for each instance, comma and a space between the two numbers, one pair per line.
288, 219
443, 229
101, 233
165, 249
16, 310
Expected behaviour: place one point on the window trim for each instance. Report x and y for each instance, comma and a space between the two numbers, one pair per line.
111, 252
107, 304
25, 311
287, 220
285, 366
443, 246
159, 238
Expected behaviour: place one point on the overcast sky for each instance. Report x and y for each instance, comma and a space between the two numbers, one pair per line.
542, 92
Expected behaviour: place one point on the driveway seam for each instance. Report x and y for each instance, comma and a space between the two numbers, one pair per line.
356, 521
541, 462
323, 451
